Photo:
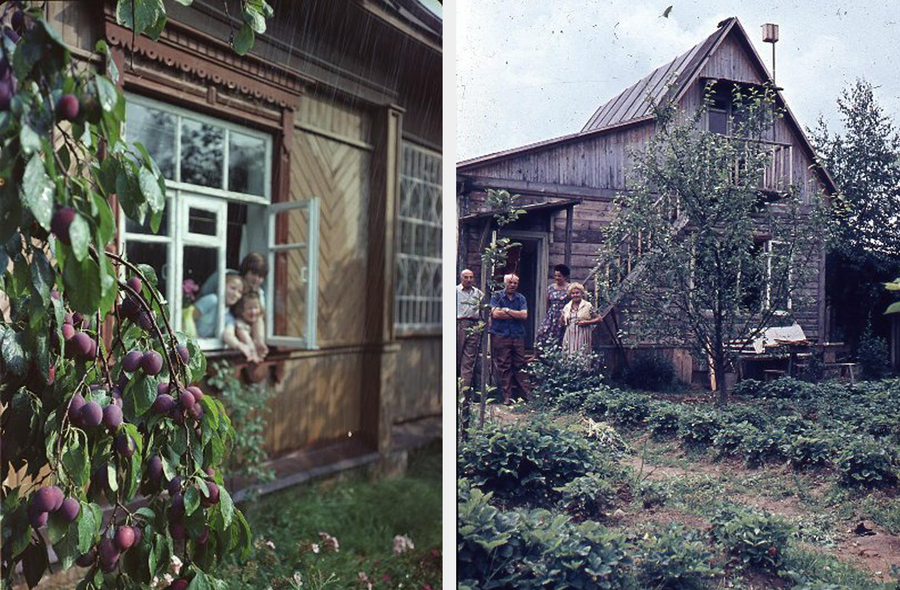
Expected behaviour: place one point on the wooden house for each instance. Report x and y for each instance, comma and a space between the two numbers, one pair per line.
567, 184
321, 150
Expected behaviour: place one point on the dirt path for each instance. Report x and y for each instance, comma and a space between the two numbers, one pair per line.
875, 552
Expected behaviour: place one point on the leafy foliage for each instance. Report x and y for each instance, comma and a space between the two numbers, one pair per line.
96, 385
650, 372
754, 539
865, 462
664, 418
675, 559
562, 380
590, 496
698, 427
526, 463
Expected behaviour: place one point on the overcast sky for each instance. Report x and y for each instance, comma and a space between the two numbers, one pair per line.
529, 70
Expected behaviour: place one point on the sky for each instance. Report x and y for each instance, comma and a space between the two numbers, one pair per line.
529, 70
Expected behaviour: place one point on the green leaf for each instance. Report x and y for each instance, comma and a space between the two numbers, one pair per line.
256, 21
34, 563
83, 286
88, 526
226, 505
150, 189
156, 29
37, 191
41, 275
29, 140
56, 528
200, 582
138, 15
107, 93
185, 2
76, 462
149, 274
106, 227
140, 393
80, 236
191, 500
893, 308
243, 41
15, 356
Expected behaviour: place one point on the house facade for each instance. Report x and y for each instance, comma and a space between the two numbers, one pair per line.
568, 184
320, 150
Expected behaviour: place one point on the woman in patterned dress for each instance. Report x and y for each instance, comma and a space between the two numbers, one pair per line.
578, 319
551, 331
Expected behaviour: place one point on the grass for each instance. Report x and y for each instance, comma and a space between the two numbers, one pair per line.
364, 516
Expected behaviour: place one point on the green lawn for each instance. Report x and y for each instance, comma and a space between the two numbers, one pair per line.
364, 516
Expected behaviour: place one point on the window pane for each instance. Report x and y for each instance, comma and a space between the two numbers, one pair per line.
292, 226
155, 255
201, 221
246, 164
202, 153
155, 129
718, 121
291, 276
200, 268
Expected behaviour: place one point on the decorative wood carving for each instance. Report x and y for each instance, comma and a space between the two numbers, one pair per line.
182, 50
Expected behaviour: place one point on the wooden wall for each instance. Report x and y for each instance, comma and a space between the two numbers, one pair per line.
418, 378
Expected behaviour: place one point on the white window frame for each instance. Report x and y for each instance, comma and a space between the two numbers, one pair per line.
180, 195
310, 279
418, 325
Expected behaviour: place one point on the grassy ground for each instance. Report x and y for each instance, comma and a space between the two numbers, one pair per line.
364, 517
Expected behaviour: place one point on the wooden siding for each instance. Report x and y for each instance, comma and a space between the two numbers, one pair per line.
730, 61
418, 378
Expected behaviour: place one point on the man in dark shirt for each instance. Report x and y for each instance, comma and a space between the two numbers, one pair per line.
509, 310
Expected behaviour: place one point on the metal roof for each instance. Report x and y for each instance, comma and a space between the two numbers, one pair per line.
664, 82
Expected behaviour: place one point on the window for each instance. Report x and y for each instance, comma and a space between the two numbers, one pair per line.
764, 284
418, 295
217, 212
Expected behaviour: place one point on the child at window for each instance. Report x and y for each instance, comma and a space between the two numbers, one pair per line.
205, 315
254, 269
238, 334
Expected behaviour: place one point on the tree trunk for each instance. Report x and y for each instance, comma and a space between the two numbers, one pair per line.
721, 386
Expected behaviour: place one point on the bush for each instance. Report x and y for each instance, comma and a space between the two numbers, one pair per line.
867, 462
787, 388
606, 437
674, 559
487, 541
651, 372
555, 374
810, 450
746, 414
652, 494
748, 388
697, 427
765, 445
754, 539
559, 554
628, 409
664, 418
525, 462
596, 404
732, 437
591, 496
873, 356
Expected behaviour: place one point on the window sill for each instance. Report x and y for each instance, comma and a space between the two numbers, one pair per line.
418, 332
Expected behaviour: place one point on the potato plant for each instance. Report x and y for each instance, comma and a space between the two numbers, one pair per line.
99, 397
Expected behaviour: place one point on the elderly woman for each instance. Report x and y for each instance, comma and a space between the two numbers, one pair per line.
551, 331
578, 317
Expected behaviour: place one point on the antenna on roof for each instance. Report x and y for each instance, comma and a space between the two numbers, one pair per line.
770, 35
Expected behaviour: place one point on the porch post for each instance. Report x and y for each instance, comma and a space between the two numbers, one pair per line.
378, 398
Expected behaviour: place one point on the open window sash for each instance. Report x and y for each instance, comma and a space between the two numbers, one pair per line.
292, 286
201, 256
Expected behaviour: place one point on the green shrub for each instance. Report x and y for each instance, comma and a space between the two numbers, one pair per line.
652, 494
873, 356
674, 559
628, 409
487, 540
765, 445
571, 401
813, 449
792, 425
697, 427
560, 554
555, 374
663, 419
752, 538
732, 437
651, 372
748, 388
752, 415
525, 462
787, 388
606, 437
590, 496
867, 462
596, 403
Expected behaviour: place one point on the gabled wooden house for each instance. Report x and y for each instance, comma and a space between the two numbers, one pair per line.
321, 150
567, 184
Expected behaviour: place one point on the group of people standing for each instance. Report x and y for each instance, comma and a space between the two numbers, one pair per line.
568, 323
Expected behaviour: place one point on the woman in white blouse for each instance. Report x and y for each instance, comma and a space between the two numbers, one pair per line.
578, 317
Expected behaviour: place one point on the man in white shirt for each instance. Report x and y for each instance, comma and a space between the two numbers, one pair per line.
468, 314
